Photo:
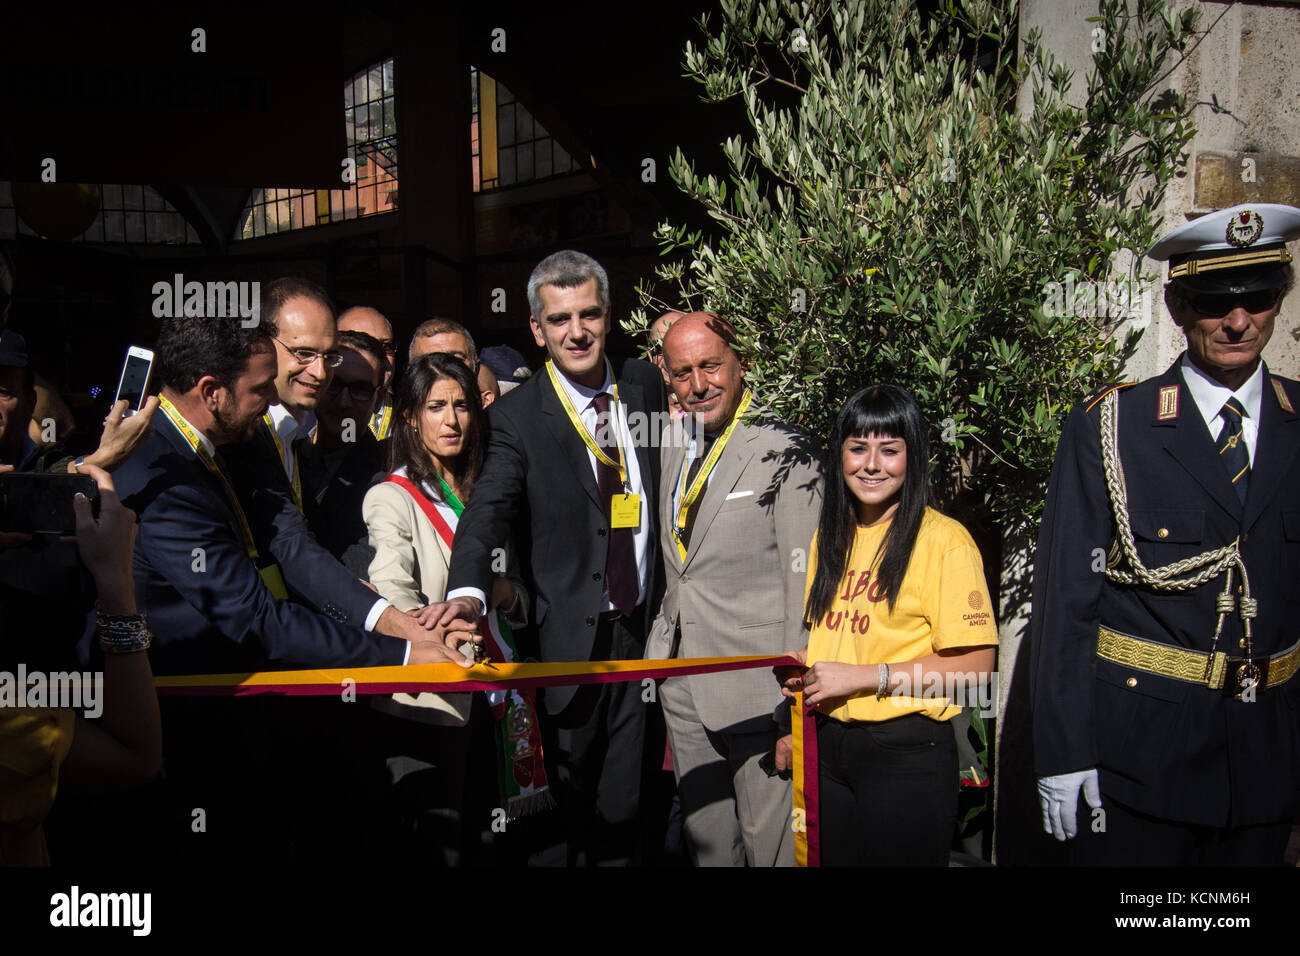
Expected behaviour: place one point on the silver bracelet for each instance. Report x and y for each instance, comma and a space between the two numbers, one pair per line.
882, 680
122, 633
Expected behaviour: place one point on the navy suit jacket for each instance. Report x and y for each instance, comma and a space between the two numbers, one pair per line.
311, 573
333, 507
538, 483
207, 605
1172, 749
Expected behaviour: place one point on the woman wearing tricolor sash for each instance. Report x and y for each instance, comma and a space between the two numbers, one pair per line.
436, 452
900, 618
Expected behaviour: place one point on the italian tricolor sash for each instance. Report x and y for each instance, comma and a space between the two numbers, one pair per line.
521, 773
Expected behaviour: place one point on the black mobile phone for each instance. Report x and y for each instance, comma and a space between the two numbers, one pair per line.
41, 502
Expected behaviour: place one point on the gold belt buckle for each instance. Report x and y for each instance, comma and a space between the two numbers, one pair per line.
1242, 673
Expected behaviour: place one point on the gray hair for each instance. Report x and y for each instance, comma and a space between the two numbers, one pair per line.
441, 326
566, 269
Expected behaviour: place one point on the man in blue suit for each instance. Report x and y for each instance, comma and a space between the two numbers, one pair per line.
215, 602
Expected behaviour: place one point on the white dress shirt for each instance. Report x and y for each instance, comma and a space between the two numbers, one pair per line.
582, 397
289, 426
1210, 397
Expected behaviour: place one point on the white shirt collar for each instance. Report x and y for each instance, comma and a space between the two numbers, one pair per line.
289, 425
1210, 396
581, 395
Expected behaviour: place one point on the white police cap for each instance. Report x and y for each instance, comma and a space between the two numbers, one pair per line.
1250, 235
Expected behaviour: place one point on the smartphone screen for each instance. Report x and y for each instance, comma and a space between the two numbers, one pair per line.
134, 384
42, 502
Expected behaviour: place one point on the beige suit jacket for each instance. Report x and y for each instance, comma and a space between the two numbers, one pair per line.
740, 589
410, 570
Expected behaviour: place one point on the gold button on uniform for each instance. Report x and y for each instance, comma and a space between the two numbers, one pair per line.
1132, 682
1241, 642
1162, 533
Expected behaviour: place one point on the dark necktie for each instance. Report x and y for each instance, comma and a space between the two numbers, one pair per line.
620, 563
694, 509
1232, 447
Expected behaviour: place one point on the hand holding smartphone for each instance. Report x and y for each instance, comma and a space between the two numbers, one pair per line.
41, 502
134, 382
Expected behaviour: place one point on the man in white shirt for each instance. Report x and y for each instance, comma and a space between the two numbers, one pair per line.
299, 316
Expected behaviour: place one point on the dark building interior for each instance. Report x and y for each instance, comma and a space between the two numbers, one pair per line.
216, 144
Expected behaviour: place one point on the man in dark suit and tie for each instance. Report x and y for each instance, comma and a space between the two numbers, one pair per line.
343, 458
266, 467
215, 602
1164, 635
572, 469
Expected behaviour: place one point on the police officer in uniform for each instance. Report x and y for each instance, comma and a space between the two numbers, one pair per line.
1166, 607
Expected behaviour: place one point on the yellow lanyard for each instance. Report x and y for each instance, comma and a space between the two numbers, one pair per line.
381, 421
270, 574
269, 422
688, 497
191, 436
582, 429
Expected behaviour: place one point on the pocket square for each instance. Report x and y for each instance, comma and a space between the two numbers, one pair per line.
739, 494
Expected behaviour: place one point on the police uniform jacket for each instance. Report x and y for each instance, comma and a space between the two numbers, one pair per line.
1170, 748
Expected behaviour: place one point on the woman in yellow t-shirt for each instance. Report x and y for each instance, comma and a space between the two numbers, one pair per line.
901, 622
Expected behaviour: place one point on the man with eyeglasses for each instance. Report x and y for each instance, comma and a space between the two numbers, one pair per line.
267, 469
1164, 633
344, 458
362, 318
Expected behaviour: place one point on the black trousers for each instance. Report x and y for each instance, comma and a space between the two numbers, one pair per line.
888, 791
1121, 836
593, 751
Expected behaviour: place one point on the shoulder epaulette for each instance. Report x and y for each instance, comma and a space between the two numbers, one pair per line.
1280, 391
1102, 392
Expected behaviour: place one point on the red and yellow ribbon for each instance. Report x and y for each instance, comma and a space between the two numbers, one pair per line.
807, 833
451, 678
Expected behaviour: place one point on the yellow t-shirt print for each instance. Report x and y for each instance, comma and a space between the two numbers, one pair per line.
944, 603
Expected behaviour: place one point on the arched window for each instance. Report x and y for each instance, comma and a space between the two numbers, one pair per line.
508, 146
127, 214
372, 146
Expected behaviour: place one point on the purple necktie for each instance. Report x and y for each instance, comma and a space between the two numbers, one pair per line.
620, 563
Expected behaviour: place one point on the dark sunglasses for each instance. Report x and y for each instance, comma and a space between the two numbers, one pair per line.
361, 392
1215, 305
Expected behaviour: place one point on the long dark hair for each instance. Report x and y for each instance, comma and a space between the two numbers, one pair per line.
405, 447
881, 411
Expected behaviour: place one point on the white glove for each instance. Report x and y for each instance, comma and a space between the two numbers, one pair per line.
1059, 797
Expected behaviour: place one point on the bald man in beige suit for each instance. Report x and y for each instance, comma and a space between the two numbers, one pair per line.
735, 533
